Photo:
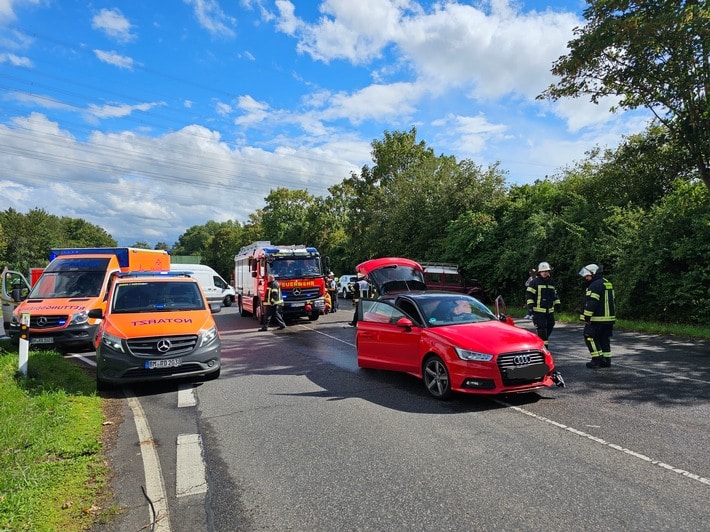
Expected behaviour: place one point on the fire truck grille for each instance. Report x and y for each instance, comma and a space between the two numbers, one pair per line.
302, 295
162, 346
47, 322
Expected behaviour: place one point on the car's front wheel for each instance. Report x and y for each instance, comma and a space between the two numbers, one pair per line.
436, 377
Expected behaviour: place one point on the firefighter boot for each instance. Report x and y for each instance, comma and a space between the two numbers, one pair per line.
595, 363
604, 362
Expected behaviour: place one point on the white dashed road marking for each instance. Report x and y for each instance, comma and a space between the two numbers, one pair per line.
190, 469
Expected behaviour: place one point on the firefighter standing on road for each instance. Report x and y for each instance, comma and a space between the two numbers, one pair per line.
543, 301
272, 304
359, 289
599, 316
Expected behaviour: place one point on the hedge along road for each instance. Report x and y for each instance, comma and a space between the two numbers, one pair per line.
294, 436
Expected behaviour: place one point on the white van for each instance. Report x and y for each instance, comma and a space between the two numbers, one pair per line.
215, 288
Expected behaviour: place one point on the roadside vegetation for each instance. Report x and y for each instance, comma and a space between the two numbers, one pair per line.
53, 475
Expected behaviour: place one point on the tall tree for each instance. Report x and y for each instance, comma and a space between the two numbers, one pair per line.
286, 217
653, 54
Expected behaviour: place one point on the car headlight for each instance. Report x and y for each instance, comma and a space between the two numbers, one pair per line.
112, 342
465, 354
80, 318
209, 336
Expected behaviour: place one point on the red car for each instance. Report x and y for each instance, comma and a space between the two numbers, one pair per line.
452, 341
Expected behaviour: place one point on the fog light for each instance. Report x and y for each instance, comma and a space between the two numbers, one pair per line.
480, 384
211, 363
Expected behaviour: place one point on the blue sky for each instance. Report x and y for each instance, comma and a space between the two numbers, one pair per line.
147, 118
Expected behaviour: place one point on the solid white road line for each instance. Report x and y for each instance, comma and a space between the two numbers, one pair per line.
154, 484
614, 446
190, 469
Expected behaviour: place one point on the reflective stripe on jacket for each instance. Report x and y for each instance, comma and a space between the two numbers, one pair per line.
542, 295
599, 301
273, 294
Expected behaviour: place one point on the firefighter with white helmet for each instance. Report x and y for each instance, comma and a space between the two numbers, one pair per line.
542, 301
599, 316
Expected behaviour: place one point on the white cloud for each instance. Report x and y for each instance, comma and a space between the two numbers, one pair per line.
16, 60
113, 24
114, 58
211, 17
118, 110
143, 188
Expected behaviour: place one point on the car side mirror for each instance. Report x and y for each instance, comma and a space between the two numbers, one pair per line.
96, 313
215, 308
405, 323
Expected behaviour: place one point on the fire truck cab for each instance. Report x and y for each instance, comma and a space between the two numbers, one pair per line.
298, 270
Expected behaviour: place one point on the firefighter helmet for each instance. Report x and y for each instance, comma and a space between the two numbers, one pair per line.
589, 269
544, 267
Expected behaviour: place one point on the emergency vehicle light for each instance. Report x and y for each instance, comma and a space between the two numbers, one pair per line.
121, 253
172, 273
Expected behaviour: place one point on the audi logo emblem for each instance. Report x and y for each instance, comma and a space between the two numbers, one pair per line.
42, 321
521, 360
164, 345
296, 292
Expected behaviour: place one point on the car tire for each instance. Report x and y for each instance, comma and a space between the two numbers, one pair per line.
227, 301
436, 378
313, 316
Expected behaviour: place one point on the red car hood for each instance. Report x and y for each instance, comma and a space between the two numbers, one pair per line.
492, 337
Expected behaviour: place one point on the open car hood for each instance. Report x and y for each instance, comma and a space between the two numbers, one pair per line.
393, 274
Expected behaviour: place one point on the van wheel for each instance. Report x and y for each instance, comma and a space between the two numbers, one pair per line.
313, 316
228, 301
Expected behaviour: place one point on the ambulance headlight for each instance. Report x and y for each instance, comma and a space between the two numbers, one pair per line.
209, 336
112, 342
80, 318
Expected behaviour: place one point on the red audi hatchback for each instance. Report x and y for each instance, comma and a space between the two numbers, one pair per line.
451, 341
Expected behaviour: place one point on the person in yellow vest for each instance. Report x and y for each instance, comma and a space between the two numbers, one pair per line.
272, 304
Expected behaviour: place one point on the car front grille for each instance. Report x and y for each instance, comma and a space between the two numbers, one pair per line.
47, 322
163, 346
522, 367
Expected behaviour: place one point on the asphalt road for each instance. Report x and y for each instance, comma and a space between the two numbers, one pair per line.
293, 436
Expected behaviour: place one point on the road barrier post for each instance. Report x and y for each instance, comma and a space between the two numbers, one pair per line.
24, 342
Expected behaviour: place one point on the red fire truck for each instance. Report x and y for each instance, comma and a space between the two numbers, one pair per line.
298, 270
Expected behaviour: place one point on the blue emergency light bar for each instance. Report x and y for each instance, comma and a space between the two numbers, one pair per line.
121, 253
172, 273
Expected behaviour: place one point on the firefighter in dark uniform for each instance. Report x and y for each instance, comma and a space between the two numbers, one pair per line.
359, 290
543, 301
272, 304
599, 316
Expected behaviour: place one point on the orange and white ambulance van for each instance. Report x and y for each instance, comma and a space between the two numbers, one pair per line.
156, 326
76, 281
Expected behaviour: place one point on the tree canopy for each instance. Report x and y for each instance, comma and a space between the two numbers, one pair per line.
653, 54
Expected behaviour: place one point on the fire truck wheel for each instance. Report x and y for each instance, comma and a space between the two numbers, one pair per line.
258, 311
242, 312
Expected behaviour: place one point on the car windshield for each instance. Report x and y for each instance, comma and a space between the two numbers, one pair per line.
452, 309
147, 296
61, 284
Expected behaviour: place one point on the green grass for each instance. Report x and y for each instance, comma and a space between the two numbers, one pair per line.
52, 471
673, 329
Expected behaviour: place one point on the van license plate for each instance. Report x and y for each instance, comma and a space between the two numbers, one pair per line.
42, 340
165, 363
299, 304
